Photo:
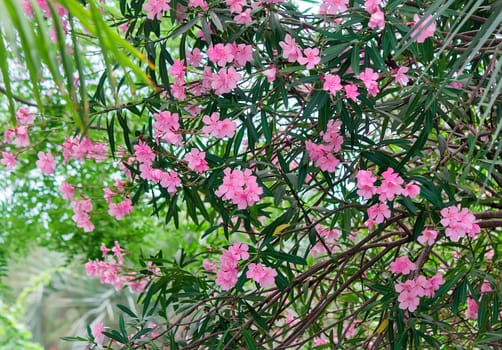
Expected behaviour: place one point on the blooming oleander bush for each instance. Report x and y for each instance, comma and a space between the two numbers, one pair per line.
341, 164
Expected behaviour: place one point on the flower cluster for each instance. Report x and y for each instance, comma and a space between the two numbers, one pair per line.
81, 209
83, 148
227, 273
411, 290
458, 222
391, 186
240, 187
323, 154
111, 270
329, 237
226, 276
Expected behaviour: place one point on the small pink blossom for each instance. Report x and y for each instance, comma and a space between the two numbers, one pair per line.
472, 309
225, 80
24, 116
194, 57
239, 251
240, 187
372, 6
458, 222
311, 58
290, 50
402, 265
411, 190
391, 185
369, 78
244, 17
46, 163
428, 237
178, 69
401, 76
218, 128
196, 160
265, 276
170, 180
120, 210
208, 265
486, 287
333, 7
154, 8
332, 83
97, 329
318, 341
377, 19
67, 190
423, 30
366, 184
270, 74
351, 92
9, 160
143, 153
220, 54
378, 213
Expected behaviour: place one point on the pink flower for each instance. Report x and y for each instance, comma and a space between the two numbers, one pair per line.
411, 190
199, 3
402, 265
351, 92
170, 180
486, 287
46, 163
265, 276
311, 58
209, 266
239, 251
9, 160
459, 222
18, 136
240, 187
391, 185
332, 83
81, 209
97, 329
423, 30
332, 135
220, 54
24, 116
369, 78
270, 74
372, 6
178, 69
401, 76
143, 153
225, 80
194, 57
118, 252
121, 209
365, 184
290, 51
218, 128
378, 213
67, 190
408, 301
333, 7
226, 279
318, 341
196, 160
242, 54
154, 8
244, 17
428, 237
377, 19
235, 5
472, 309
